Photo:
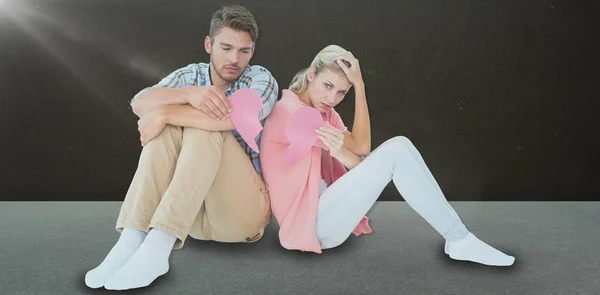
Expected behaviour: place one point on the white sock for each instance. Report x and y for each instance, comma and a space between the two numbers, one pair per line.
128, 242
473, 249
150, 261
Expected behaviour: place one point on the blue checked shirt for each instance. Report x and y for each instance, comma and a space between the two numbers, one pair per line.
254, 77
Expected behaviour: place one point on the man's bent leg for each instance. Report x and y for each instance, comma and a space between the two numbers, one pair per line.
197, 166
152, 177
155, 170
237, 208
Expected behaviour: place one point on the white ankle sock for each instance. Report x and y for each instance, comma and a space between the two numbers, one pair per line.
128, 242
473, 249
150, 261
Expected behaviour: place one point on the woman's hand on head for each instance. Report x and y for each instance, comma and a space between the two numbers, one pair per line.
332, 138
353, 72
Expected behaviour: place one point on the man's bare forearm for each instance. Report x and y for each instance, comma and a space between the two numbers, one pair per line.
185, 115
159, 96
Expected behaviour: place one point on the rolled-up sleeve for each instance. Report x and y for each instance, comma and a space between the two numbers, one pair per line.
265, 84
186, 76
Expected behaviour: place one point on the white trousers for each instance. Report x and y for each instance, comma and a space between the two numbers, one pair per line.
343, 204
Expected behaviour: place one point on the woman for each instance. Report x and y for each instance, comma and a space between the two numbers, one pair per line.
317, 202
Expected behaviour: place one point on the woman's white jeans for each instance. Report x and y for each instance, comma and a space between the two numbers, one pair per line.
343, 204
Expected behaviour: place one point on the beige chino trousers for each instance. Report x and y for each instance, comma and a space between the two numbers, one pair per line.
196, 182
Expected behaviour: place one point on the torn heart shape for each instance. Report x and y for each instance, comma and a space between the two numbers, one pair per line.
245, 107
300, 130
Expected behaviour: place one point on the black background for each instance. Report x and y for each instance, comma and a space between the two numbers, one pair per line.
500, 97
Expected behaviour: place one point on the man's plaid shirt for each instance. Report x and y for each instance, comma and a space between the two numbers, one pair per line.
254, 77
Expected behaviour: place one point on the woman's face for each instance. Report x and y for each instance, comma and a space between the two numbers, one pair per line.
327, 89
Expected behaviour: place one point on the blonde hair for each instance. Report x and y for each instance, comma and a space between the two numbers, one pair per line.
325, 59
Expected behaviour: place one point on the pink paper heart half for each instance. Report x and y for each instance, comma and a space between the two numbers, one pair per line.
300, 130
245, 107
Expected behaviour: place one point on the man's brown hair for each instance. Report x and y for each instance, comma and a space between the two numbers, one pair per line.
236, 17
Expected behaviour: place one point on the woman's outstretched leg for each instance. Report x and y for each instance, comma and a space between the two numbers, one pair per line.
345, 202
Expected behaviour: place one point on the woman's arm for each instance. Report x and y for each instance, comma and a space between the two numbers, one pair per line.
333, 141
359, 142
348, 158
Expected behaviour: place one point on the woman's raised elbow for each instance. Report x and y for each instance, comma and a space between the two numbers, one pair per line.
365, 150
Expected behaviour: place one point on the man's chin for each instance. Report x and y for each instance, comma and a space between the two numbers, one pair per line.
229, 76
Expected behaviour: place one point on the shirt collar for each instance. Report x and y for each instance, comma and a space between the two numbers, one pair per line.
205, 71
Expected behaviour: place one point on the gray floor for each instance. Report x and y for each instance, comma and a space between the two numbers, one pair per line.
46, 248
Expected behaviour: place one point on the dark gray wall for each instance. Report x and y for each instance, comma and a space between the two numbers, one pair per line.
500, 97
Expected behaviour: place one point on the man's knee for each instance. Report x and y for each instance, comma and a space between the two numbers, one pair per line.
199, 136
168, 135
195, 132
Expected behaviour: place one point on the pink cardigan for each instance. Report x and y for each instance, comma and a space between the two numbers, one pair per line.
294, 189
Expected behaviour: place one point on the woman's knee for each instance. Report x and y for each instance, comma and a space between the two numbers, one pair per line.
400, 141
397, 144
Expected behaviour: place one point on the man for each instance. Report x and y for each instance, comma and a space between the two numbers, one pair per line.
196, 175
